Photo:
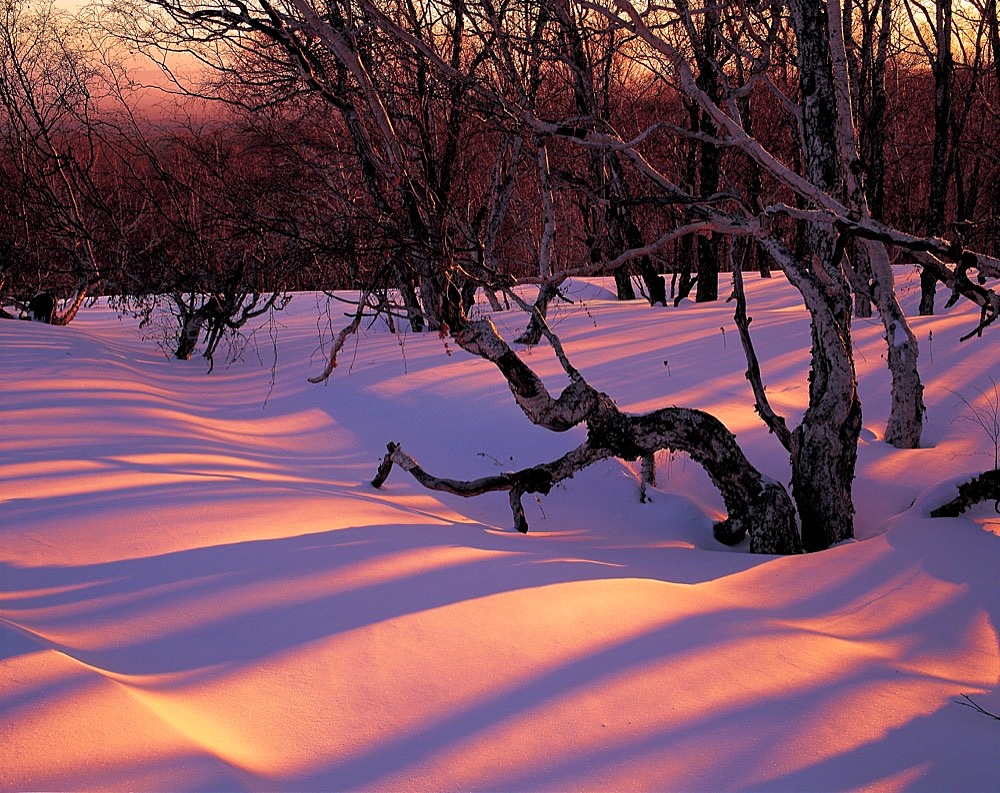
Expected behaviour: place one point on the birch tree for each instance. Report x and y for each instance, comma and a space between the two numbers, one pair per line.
820, 190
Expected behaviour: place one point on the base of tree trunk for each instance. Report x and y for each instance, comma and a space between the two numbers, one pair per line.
985, 487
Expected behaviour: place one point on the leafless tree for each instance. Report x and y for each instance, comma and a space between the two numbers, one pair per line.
56, 210
465, 60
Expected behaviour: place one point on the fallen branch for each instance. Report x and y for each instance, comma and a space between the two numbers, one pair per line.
758, 508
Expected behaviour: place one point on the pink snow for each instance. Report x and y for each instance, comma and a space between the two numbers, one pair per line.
200, 590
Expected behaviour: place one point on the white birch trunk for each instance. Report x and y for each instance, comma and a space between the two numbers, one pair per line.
906, 412
548, 213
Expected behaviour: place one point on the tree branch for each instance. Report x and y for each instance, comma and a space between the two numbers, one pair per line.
537, 479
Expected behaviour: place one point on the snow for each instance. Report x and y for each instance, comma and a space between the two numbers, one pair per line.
200, 590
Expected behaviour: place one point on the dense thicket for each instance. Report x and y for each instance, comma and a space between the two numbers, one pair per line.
269, 188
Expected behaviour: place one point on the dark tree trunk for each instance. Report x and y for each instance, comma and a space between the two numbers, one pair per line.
411, 304
192, 322
928, 291
711, 157
684, 264
708, 270
686, 253
623, 284
942, 68
753, 258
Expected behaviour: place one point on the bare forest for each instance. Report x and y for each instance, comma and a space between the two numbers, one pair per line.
500, 395
208, 158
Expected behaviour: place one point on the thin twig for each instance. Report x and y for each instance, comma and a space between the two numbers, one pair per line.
970, 704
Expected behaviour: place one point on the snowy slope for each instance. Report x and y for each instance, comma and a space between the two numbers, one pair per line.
199, 590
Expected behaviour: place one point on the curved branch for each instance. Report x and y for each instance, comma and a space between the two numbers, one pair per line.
537, 479
757, 506
577, 401
345, 333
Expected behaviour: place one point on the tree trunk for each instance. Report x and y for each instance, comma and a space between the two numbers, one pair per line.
757, 507
824, 445
533, 333
69, 313
710, 167
942, 67
190, 332
411, 304
623, 284
906, 406
625, 234
928, 291
708, 270
871, 272
686, 253
683, 272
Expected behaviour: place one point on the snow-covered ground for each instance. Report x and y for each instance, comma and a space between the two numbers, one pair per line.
200, 590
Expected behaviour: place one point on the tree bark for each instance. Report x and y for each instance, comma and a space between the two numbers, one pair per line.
533, 333
824, 445
870, 270
758, 507
985, 487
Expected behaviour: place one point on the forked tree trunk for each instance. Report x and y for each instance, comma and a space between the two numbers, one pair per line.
533, 333
824, 445
69, 313
192, 322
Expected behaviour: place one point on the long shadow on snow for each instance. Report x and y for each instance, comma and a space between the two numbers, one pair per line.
127, 589
748, 732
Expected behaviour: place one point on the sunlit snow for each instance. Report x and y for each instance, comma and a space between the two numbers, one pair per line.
200, 590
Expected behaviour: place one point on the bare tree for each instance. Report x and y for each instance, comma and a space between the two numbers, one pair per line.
932, 26
474, 64
216, 241
57, 210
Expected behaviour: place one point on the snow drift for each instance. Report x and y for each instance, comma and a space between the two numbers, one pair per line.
199, 590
